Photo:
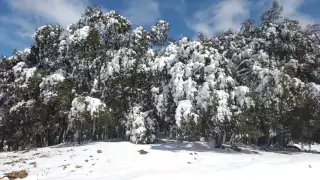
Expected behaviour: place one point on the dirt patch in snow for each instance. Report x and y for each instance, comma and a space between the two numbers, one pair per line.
142, 152
16, 175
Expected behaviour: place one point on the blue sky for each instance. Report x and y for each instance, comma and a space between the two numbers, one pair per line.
20, 18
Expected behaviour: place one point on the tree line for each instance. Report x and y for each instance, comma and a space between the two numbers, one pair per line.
101, 78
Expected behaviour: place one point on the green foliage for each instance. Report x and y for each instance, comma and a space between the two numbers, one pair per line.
190, 130
106, 118
33, 84
65, 95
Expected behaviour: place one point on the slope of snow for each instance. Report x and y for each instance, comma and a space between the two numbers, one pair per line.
121, 161
312, 147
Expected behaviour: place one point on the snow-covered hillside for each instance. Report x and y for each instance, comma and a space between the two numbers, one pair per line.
122, 161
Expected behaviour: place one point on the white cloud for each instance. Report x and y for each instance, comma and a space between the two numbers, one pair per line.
62, 12
25, 16
291, 11
220, 17
142, 12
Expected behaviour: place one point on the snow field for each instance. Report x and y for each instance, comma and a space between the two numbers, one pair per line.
121, 161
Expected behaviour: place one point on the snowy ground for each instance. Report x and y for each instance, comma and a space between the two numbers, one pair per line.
121, 161
314, 147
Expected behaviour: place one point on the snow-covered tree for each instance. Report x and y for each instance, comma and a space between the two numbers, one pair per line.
140, 126
84, 116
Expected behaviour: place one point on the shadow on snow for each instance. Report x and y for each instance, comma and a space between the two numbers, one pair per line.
197, 147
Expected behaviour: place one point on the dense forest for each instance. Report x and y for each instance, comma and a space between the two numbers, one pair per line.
101, 78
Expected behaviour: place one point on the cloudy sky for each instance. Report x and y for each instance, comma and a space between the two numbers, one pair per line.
20, 18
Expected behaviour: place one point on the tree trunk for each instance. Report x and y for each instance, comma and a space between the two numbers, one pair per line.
65, 134
23, 145
165, 132
267, 140
80, 136
49, 139
93, 135
287, 140
232, 138
2, 144
100, 135
124, 132
77, 136
42, 139
61, 136
38, 140
224, 137
218, 141
16, 146
9, 144
281, 139
309, 145
105, 134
